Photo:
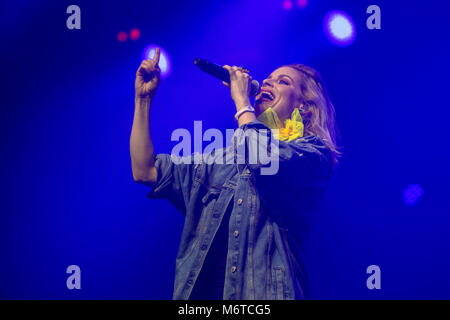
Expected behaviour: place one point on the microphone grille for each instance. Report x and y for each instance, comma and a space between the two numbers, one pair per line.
255, 87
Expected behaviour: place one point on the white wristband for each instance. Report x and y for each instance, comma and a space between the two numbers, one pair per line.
246, 109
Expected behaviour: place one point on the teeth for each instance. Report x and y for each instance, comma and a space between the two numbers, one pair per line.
269, 94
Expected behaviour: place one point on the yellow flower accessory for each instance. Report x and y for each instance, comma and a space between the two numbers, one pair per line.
292, 128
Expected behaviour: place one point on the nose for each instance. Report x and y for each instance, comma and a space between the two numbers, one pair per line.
267, 82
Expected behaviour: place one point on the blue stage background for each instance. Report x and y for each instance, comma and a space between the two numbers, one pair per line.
67, 192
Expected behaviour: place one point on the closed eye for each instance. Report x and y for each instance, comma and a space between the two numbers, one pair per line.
284, 82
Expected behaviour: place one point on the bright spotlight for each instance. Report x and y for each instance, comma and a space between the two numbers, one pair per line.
164, 61
339, 28
135, 34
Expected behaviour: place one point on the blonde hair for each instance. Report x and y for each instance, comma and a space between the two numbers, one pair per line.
319, 116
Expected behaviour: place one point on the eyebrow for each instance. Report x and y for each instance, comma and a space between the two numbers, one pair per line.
282, 75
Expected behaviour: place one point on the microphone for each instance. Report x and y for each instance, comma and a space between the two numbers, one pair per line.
222, 74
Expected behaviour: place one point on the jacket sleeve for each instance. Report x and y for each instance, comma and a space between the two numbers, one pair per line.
298, 171
175, 179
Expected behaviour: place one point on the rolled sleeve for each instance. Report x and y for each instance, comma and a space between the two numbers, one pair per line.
174, 180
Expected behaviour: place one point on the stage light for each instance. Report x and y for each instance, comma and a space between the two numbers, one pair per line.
164, 61
302, 3
287, 4
339, 28
135, 34
412, 194
122, 36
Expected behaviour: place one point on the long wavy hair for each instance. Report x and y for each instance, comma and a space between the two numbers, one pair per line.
319, 116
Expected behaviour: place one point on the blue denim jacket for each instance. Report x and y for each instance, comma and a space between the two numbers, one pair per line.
269, 218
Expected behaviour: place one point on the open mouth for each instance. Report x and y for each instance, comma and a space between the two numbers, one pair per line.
266, 95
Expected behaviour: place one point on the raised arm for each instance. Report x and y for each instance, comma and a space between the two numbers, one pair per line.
141, 145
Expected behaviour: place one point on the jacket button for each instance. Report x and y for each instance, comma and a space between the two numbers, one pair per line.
236, 233
204, 247
233, 269
239, 201
190, 282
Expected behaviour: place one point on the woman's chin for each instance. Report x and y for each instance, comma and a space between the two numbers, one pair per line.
259, 109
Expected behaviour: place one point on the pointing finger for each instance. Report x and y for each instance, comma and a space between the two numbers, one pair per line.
157, 54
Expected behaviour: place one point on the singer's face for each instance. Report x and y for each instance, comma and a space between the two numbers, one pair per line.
281, 92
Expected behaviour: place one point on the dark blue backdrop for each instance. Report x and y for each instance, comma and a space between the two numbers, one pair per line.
67, 193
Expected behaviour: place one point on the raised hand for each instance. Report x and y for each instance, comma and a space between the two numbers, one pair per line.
148, 77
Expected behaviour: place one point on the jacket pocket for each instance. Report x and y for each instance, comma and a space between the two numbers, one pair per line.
208, 202
278, 284
211, 194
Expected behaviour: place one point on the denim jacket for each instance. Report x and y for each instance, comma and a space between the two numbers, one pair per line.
269, 218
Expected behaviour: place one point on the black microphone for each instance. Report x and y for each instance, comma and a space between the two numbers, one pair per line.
222, 74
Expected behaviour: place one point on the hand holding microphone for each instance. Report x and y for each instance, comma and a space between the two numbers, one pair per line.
240, 85
236, 78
